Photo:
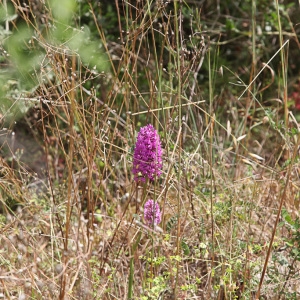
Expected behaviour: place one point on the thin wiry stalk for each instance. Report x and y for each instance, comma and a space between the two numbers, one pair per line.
211, 126
178, 30
70, 183
284, 58
282, 199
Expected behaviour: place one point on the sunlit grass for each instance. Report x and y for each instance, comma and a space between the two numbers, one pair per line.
75, 92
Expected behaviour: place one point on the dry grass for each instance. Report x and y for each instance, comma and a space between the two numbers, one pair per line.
71, 215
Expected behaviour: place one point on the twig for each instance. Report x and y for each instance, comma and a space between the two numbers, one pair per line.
164, 108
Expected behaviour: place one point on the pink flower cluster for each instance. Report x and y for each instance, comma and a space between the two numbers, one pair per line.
147, 163
147, 157
152, 213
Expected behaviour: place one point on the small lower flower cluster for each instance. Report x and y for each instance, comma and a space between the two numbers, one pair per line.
152, 214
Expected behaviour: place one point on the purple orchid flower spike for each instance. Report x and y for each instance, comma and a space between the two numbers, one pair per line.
147, 157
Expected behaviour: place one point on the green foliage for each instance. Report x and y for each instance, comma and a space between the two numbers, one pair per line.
172, 222
25, 51
293, 240
222, 211
90, 51
62, 13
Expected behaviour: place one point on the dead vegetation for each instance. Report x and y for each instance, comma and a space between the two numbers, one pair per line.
71, 217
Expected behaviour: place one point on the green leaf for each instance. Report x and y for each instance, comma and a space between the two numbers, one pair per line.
185, 247
288, 219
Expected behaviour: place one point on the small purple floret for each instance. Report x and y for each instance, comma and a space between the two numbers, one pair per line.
147, 157
152, 213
